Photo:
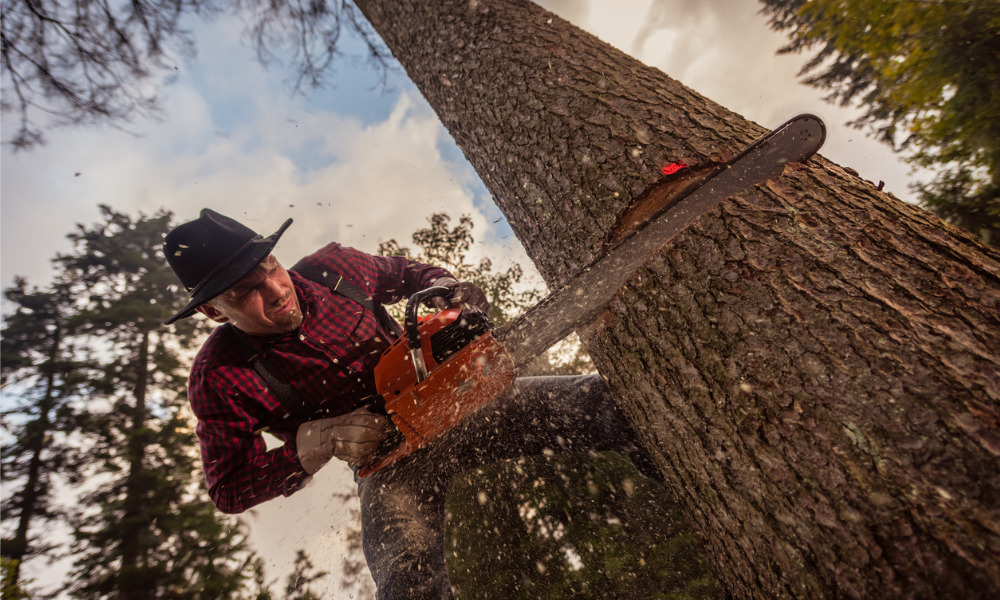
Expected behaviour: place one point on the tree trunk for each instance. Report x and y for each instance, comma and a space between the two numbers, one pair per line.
134, 583
811, 364
32, 496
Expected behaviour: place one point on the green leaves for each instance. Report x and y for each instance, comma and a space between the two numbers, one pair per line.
569, 526
93, 342
446, 247
927, 75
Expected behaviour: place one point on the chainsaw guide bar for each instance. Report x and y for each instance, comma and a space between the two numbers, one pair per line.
449, 364
579, 300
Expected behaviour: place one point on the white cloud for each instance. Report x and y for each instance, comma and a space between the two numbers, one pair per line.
388, 178
234, 139
725, 51
339, 178
310, 520
362, 183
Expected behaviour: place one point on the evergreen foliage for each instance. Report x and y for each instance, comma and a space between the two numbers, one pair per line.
44, 378
10, 588
569, 526
143, 528
927, 75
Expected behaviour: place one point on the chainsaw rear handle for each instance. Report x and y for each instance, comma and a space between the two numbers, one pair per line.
410, 325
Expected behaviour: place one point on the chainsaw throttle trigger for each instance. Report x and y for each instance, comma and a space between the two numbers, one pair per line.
410, 323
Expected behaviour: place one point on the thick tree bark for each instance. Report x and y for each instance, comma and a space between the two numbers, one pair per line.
814, 365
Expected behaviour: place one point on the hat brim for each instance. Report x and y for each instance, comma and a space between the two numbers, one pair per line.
233, 271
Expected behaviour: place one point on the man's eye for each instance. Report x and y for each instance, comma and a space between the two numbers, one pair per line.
243, 294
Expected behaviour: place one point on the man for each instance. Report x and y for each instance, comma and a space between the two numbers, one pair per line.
324, 345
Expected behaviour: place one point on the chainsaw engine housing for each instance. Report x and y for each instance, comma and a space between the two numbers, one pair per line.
466, 369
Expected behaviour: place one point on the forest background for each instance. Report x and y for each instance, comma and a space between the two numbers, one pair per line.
324, 156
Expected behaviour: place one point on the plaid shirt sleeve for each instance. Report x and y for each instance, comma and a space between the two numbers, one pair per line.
233, 405
241, 472
388, 279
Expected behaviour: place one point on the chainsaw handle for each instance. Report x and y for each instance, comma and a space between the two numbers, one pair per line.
410, 325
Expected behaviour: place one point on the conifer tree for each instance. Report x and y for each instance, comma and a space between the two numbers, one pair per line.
144, 529
42, 375
812, 366
927, 76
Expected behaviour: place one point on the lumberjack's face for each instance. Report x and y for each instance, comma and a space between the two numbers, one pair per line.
263, 302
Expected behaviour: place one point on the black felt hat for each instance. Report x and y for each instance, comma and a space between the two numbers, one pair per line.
212, 253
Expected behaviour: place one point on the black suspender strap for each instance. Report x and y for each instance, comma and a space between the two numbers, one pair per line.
279, 386
336, 282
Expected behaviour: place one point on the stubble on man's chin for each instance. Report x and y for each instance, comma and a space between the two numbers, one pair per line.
292, 320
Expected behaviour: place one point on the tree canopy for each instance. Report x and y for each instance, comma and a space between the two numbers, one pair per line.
927, 76
42, 362
924, 73
103, 62
85, 62
812, 366
96, 377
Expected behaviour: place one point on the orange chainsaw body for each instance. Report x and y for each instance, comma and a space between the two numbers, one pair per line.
471, 375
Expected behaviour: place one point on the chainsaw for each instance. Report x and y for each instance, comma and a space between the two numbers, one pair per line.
447, 365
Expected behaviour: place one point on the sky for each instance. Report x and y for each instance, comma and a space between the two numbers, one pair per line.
361, 165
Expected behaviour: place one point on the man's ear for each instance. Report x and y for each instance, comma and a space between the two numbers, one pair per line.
212, 313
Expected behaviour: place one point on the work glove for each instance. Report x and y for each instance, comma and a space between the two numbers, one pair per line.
353, 437
464, 295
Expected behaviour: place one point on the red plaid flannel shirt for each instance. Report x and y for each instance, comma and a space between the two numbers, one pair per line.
328, 360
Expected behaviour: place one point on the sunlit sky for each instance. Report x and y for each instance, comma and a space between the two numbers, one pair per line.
358, 165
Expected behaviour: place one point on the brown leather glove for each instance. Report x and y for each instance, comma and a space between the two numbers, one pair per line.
353, 437
465, 295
